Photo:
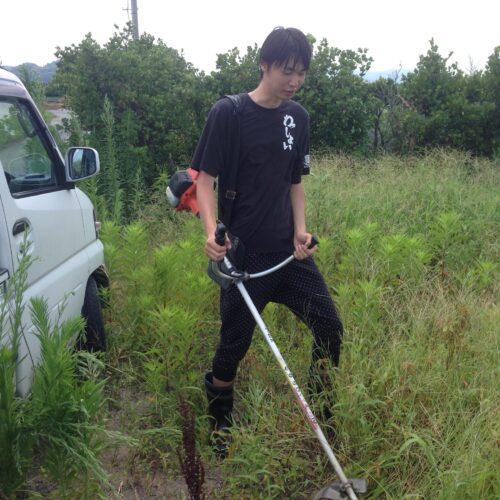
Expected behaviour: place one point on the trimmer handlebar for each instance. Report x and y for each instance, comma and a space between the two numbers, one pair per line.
314, 242
225, 274
220, 234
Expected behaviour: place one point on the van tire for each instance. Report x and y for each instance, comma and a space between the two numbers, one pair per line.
92, 313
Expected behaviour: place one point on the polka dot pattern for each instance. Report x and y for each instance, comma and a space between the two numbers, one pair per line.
299, 286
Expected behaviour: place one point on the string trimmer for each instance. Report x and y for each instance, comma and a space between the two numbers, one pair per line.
225, 275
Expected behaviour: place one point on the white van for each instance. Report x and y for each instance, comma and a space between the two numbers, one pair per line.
40, 204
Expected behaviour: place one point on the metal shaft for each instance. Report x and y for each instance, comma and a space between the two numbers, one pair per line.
311, 419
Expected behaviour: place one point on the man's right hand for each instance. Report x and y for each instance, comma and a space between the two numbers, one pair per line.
214, 251
206, 203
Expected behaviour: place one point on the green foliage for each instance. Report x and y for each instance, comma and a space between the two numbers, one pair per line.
398, 126
15, 442
416, 391
109, 187
338, 98
429, 86
10, 127
61, 423
157, 97
143, 105
386, 93
33, 85
152, 315
67, 411
403, 259
492, 95
410, 337
235, 73
451, 108
14, 459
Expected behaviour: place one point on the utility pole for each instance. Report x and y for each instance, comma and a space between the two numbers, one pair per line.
135, 20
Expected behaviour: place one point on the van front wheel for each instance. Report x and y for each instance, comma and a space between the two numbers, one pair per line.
92, 313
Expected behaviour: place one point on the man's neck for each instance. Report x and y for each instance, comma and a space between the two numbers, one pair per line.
263, 98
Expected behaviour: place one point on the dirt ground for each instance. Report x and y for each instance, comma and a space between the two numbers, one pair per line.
151, 484
132, 476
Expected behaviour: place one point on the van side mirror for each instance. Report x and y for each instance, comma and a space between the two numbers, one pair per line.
81, 163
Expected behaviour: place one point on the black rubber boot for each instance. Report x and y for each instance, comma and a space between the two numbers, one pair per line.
220, 406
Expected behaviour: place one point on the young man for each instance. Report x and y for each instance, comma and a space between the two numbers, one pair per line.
268, 215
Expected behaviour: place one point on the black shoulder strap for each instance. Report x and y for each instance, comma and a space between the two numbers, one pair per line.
235, 100
229, 195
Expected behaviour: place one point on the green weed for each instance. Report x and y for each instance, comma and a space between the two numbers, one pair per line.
408, 247
15, 442
60, 424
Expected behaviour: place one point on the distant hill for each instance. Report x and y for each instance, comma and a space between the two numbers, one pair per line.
45, 73
371, 76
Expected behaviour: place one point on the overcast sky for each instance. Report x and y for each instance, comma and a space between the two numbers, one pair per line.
396, 32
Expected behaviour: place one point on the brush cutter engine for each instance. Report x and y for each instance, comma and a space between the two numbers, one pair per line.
181, 191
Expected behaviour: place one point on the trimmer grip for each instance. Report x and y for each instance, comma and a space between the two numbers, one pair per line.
314, 242
220, 234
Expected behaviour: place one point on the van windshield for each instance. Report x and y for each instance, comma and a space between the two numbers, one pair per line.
27, 164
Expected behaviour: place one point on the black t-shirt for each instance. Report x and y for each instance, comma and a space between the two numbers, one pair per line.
274, 153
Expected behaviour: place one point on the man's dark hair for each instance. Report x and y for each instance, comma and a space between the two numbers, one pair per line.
285, 45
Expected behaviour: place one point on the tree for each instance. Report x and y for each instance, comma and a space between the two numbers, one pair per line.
386, 128
338, 98
454, 109
475, 116
235, 73
33, 85
492, 96
157, 98
436, 91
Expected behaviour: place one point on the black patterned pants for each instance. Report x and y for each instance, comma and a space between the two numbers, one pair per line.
300, 287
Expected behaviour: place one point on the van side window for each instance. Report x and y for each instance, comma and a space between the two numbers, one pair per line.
27, 164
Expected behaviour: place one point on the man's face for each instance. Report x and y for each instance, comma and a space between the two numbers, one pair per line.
283, 81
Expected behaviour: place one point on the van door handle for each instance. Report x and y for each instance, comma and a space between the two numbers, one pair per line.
20, 226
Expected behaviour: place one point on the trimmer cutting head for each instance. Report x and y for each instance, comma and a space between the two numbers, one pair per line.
338, 491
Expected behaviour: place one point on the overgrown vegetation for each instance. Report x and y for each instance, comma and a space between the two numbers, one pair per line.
409, 248
59, 429
159, 103
410, 251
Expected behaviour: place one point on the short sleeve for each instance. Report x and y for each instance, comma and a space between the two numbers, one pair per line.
211, 151
305, 157
302, 166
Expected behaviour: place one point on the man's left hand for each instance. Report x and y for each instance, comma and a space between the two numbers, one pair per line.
301, 243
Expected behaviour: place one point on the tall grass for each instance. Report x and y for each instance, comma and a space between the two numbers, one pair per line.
58, 429
15, 443
409, 248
